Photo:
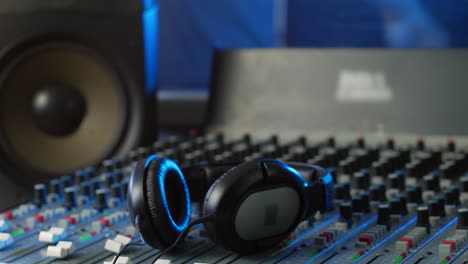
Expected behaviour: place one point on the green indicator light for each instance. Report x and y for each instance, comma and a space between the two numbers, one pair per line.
313, 254
398, 260
18, 232
356, 256
444, 261
85, 237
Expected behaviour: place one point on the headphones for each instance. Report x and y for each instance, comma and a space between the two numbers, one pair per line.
252, 206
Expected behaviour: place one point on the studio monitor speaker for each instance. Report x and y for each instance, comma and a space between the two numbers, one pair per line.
73, 84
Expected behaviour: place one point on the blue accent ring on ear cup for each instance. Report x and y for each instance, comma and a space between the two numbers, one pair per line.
166, 166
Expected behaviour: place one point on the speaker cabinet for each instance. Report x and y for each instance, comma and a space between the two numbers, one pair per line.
73, 87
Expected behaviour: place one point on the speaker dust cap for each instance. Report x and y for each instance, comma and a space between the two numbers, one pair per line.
62, 107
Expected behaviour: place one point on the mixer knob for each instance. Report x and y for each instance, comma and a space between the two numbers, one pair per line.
85, 189
362, 180
56, 187
360, 142
403, 203
395, 207
95, 185
40, 194
108, 165
119, 175
432, 183
383, 215
125, 188
80, 176
423, 217
101, 199
365, 202
67, 181
118, 164
464, 184
452, 196
397, 181
462, 218
70, 200
109, 179
357, 204
117, 191
346, 211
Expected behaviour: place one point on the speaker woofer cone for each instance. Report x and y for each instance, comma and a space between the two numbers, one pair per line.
99, 131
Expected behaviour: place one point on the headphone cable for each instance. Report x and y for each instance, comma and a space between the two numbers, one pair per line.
184, 233
124, 248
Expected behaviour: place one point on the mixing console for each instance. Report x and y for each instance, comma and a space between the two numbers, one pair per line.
394, 203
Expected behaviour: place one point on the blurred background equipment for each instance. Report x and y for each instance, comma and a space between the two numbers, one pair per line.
73, 86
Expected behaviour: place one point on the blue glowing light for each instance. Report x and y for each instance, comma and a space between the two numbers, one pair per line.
166, 166
328, 179
151, 31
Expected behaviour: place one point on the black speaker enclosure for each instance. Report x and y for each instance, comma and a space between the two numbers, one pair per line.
113, 31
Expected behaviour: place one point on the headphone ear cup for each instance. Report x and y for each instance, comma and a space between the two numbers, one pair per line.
258, 185
168, 202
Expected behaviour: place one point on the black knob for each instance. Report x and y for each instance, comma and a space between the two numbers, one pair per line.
56, 187
365, 202
339, 192
95, 185
117, 191
125, 188
346, 211
423, 217
80, 176
109, 179
395, 207
40, 195
462, 218
108, 165
403, 203
70, 197
118, 164
119, 175
377, 193
357, 204
397, 181
431, 183
67, 181
362, 180
383, 215
90, 173
434, 208
464, 184
452, 195
101, 199
85, 189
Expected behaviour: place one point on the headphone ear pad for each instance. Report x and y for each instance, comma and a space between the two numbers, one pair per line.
168, 202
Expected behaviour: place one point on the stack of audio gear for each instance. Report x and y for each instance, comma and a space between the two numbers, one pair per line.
393, 204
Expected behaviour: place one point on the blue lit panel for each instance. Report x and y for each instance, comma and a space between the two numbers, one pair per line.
151, 31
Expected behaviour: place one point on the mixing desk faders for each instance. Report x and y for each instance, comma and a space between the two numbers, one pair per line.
394, 203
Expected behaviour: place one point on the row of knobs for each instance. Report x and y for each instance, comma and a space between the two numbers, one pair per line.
85, 184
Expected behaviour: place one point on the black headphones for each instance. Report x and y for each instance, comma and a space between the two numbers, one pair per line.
254, 205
